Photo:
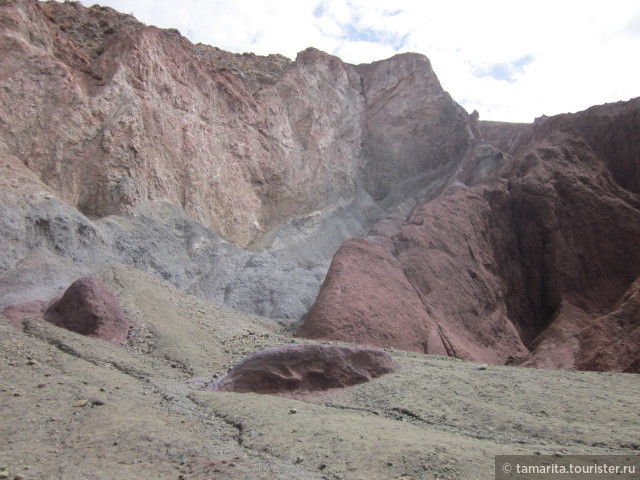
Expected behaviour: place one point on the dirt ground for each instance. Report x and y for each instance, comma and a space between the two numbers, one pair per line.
81, 408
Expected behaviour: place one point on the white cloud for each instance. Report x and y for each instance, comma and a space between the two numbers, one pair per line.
578, 53
364, 52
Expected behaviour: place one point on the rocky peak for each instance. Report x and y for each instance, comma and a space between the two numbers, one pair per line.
384, 74
407, 110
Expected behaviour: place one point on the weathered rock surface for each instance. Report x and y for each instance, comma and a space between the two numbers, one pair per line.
123, 143
577, 339
409, 137
89, 308
305, 368
291, 158
240, 142
536, 263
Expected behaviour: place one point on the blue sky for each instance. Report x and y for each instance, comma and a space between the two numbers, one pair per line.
509, 60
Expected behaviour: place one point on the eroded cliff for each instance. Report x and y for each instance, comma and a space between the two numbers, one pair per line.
237, 177
105, 119
535, 264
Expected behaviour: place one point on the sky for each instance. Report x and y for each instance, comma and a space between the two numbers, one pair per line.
509, 60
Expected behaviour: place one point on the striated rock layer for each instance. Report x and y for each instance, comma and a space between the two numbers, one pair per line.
535, 264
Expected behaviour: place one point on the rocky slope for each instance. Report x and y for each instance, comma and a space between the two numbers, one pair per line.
536, 264
182, 176
75, 407
107, 124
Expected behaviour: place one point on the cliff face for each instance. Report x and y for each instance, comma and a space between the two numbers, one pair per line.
536, 264
237, 177
127, 113
104, 120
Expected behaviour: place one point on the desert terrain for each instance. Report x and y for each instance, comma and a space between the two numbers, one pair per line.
218, 205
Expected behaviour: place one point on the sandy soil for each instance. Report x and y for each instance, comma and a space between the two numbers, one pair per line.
81, 408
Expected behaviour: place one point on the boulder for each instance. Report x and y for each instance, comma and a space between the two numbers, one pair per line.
89, 308
305, 368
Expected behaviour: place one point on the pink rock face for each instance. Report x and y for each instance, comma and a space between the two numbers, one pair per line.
240, 142
367, 299
535, 265
305, 368
89, 308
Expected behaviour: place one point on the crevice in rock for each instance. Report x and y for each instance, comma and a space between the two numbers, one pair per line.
451, 352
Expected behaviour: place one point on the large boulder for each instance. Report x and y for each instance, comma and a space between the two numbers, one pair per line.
305, 368
89, 308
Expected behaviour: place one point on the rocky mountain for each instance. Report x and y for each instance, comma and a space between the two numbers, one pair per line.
186, 233
537, 264
236, 178
123, 142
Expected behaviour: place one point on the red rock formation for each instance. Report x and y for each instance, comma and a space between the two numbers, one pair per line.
305, 368
588, 342
533, 265
89, 308
380, 306
127, 113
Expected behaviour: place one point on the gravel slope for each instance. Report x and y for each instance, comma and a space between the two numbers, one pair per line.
80, 408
